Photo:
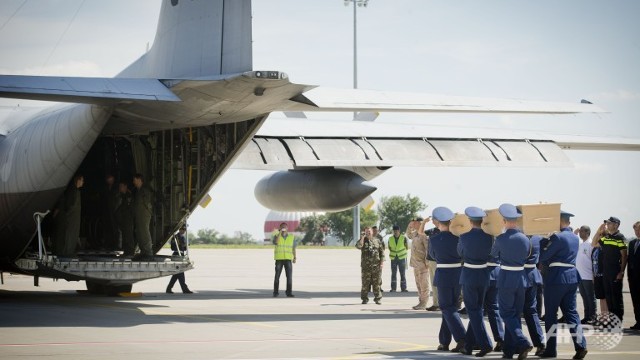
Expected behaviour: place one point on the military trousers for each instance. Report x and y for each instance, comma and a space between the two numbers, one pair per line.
493, 313
422, 283
371, 282
562, 296
510, 303
531, 316
476, 331
451, 323
434, 288
143, 235
181, 280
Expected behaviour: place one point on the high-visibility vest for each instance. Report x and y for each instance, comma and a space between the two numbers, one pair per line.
284, 248
397, 248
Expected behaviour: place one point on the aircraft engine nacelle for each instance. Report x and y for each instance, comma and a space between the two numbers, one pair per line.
323, 189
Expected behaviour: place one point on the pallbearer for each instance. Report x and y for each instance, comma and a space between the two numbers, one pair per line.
530, 310
512, 249
559, 251
443, 247
475, 249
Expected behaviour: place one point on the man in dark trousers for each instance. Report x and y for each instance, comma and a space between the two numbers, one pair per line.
614, 263
475, 249
398, 247
530, 310
443, 247
512, 249
179, 247
284, 253
142, 210
560, 251
633, 266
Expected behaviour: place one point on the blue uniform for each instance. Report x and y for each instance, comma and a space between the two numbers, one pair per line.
560, 285
512, 249
530, 310
475, 249
491, 300
443, 248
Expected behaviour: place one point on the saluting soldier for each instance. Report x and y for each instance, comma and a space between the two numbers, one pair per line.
443, 247
559, 251
530, 310
475, 249
512, 249
142, 209
371, 260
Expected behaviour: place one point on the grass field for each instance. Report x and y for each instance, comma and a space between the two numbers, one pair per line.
258, 246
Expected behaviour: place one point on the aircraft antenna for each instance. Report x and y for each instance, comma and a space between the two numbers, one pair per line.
12, 15
63, 33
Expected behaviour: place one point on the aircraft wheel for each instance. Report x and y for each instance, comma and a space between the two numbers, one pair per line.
114, 290
95, 288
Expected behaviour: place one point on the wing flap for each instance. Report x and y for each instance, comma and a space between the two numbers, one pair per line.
331, 99
83, 90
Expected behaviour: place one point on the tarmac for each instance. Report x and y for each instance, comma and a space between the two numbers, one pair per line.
233, 315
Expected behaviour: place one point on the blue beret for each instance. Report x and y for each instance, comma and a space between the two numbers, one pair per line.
509, 212
565, 215
442, 213
475, 213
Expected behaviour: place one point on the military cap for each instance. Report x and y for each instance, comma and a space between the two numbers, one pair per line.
509, 212
475, 213
442, 213
565, 215
396, 227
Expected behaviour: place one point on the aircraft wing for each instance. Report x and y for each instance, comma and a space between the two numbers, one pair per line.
83, 89
330, 99
295, 143
142, 105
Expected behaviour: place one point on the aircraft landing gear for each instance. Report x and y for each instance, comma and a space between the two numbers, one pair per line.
97, 288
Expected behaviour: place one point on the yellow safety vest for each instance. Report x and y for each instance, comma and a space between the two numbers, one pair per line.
397, 248
284, 248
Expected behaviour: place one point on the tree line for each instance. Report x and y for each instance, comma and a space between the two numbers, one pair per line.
391, 210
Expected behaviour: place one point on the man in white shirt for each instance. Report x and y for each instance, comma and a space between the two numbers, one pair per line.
584, 266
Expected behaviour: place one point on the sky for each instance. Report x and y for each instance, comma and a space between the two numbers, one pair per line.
536, 50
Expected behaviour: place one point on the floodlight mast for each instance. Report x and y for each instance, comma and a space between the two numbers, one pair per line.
356, 5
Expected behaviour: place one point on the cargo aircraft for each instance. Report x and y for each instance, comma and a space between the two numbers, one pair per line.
192, 107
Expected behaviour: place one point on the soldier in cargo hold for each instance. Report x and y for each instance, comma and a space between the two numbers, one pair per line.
443, 247
68, 217
142, 210
109, 223
371, 260
512, 248
124, 218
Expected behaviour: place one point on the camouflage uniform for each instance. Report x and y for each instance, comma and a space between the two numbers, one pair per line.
124, 218
142, 218
371, 264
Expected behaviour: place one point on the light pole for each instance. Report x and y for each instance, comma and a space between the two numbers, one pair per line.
356, 5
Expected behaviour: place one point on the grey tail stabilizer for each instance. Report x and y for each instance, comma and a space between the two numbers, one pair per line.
196, 39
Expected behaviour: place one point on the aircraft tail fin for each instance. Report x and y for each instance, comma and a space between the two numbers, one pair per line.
196, 39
